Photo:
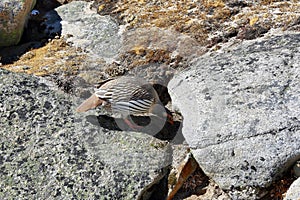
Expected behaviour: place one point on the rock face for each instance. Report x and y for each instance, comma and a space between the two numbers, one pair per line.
294, 191
14, 14
241, 112
84, 27
47, 151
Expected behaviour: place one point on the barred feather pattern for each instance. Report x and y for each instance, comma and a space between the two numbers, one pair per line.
128, 95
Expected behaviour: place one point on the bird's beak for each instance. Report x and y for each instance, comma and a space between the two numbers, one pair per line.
90, 103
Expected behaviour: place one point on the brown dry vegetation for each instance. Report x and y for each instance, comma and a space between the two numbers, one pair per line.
203, 18
209, 22
57, 56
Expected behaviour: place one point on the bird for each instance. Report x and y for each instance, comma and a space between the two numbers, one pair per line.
127, 95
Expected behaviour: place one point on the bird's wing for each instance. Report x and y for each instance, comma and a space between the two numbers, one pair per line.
138, 99
107, 90
99, 84
128, 95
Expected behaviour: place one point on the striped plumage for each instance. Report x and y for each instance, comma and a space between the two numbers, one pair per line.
128, 95
125, 95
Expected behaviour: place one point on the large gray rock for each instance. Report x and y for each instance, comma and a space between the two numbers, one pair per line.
48, 151
241, 112
294, 191
14, 14
85, 29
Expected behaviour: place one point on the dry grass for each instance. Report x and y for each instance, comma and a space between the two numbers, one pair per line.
56, 56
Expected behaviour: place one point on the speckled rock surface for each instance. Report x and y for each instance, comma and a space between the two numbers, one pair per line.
48, 151
86, 29
134, 35
13, 17
294, 191
241, 112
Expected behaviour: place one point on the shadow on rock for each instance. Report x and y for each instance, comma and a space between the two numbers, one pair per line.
170, 132
39, 29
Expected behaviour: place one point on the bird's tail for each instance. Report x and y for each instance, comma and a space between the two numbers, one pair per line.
90, 103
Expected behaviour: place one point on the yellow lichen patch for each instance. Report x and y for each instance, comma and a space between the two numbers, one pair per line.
266, 15
274, 14
221, 14
139, 50
214, 3
55, 57
101, 7
253, 20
